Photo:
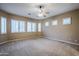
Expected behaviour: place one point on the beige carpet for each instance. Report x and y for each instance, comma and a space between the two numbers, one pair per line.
37, 47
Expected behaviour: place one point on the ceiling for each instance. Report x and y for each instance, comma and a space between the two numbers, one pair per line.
32, 9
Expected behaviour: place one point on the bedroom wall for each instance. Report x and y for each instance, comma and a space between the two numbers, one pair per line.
23, 35
65, 33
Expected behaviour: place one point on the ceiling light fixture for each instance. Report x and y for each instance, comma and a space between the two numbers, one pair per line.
41, 11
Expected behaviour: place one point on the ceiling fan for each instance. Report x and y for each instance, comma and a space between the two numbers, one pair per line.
42, 12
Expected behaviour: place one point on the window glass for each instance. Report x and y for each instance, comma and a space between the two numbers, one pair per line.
29, 27
67, 20
33, 27
17, 26
46, 23
22, 26
3, 25
39, 27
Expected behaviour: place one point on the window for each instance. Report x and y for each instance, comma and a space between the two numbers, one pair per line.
67, 20
21, 26
29, 27
54, 22
39, 27
33, 27
3, 25
46, 24
17, 26
14, 26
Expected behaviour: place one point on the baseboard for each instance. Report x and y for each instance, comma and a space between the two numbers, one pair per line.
63, 41
18, 39
39, 37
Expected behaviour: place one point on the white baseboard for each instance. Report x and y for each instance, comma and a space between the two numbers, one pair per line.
39, 37
63, 41
18, 39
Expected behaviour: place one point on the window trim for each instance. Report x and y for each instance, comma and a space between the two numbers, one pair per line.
67, 18
1, 26
18, 26
32, 28
39, 26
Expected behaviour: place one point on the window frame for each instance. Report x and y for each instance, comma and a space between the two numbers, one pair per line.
33, 25
32, 29
68, 19
29, 27
39, 27
5, 30
18, 26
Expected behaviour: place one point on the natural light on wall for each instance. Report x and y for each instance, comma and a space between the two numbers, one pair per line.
54, 22
46, 24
